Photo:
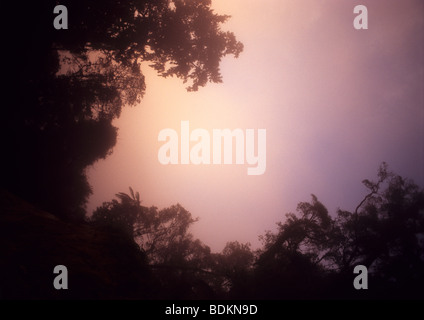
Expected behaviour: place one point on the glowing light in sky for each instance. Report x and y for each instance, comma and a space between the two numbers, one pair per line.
335, 103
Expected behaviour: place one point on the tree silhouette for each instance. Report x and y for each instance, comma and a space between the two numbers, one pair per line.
122, 214
385, 233
181, 264
162, 234
309, 234
66, 86
235, 267
313, 255
293, 260
150, 253
178, 37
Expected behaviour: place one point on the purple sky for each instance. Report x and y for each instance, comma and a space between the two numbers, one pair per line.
335, 102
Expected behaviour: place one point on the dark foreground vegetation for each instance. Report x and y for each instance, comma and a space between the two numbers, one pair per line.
128, 251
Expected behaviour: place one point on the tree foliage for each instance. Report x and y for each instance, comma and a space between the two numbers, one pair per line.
385, 233
181, 263
67, 86
311, 254
161, 234
235, 267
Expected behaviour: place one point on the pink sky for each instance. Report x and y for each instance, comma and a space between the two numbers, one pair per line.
335, 102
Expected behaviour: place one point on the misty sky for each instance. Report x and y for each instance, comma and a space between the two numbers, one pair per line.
335, 102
